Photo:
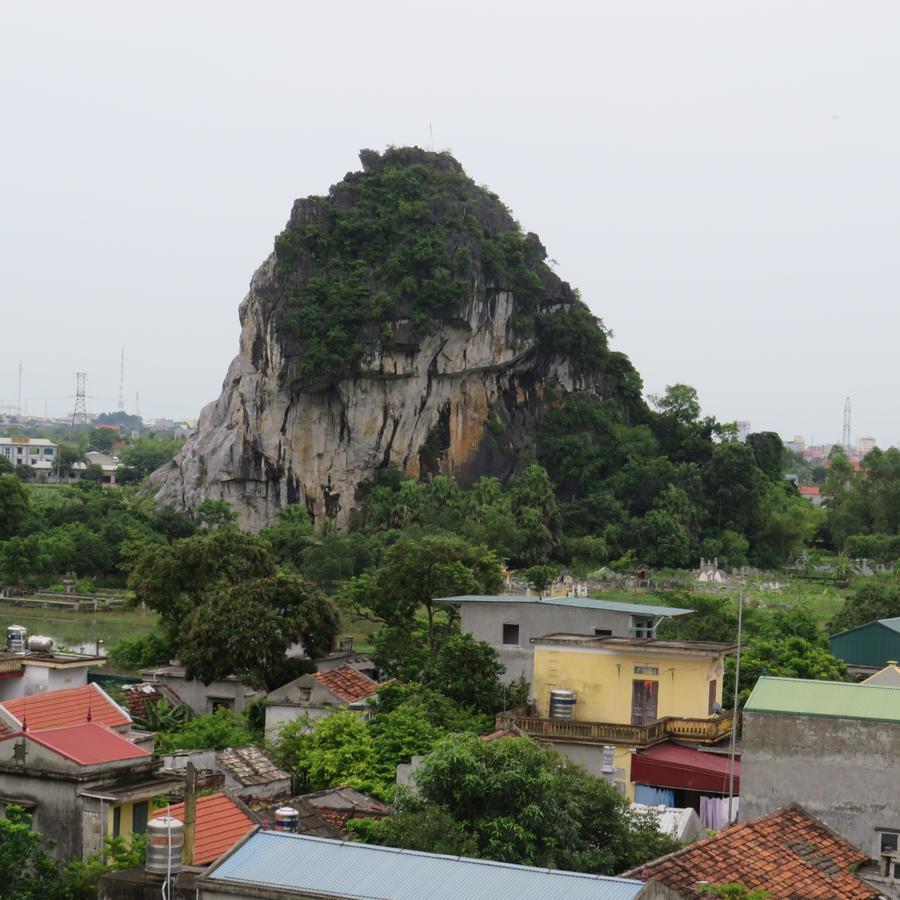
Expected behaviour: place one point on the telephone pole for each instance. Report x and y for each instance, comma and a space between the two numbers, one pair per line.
79, 414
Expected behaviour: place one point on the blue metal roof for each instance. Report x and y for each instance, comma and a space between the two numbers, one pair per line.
299, 862
576, 602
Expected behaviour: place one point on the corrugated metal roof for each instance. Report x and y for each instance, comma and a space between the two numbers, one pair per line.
340, 869
838, 699
893, 624
87, 745
576, 602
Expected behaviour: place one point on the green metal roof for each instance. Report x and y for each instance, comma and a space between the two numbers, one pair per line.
893, 624
576, 602
836, 699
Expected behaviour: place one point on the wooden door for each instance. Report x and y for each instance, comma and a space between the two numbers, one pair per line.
644, 699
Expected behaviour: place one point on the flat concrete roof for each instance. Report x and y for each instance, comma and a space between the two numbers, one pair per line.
653, 645
574, 602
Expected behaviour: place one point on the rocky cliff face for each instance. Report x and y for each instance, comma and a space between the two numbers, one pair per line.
409, 326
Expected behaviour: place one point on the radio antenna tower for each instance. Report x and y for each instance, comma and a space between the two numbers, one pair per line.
79, 414
846, 436
19, 400
122, 382
137, 405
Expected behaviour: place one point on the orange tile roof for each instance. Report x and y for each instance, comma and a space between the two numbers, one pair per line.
812, 491
347, 683
87, 745
788, 853
220, 824
67, 707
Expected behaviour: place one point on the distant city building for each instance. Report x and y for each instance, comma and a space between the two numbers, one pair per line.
743, 428
797, 444
38, 453
865, 445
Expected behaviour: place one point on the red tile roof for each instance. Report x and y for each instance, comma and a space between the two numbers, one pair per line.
137, 698
788, 853
812, 491
87, 745
67, 707
219, 825
347, 683
674, 766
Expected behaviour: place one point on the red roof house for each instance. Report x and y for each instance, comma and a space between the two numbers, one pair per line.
670, 765
346, 683
89, 744
220, 823
73, 706
788, 853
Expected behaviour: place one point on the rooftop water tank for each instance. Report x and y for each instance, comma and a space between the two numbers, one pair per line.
286, 819
562, 703
40, 643
165, 844
16, 637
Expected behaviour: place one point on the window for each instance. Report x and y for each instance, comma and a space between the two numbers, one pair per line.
888, 841
139, 816
643, 626
646, 670
511, 635
603, 632
117, 821
305, 694
220, 703
714, 706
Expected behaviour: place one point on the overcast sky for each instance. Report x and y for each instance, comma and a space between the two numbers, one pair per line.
720, 180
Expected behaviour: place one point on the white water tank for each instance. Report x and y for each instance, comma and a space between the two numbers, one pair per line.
165, 844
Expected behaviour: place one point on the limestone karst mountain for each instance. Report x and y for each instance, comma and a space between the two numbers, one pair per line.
402, 320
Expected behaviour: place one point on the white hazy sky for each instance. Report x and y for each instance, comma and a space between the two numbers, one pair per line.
720, 180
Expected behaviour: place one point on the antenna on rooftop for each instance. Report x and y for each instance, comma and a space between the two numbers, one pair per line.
846, 436
122, 382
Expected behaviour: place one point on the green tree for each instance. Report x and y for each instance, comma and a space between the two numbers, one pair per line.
541, 577
13, 506
102, 439
468, 671
870, 600
212, 514
414, 572
217, 731
521, 804
27, 872
83, 876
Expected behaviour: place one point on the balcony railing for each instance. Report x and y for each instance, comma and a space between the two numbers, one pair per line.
701, 731
10, 665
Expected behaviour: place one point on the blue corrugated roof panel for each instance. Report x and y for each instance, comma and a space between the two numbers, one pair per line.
578, 602
298, 862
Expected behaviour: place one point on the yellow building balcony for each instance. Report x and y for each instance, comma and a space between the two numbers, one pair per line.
709, 730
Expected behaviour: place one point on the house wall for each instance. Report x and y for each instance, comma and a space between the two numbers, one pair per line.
602, 680
277, 716
40, 679
201, 697
485, 621
843, 771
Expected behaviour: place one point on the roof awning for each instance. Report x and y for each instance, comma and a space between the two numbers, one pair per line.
673, 766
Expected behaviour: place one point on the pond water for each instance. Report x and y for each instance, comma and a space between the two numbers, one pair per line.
81, 632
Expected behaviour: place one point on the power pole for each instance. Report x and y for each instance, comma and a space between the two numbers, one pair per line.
79, 414
846, 437
122, 382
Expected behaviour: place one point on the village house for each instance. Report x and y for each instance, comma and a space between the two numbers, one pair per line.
38, 453
220, 822
833, 748
788, 853
80, 783
511, 622
202, 698
600, 700
316, 695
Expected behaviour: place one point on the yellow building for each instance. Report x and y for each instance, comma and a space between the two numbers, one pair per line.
628, 693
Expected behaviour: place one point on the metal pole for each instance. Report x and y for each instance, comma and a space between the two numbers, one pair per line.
734, 710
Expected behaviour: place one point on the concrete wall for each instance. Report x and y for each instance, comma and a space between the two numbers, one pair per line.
602, 679
485, 621
843, 771
201, 697
278, 715
40, 679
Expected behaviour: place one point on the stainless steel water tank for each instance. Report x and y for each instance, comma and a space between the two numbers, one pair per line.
286, 819
40, 643
165, 843
562, 703
16, 638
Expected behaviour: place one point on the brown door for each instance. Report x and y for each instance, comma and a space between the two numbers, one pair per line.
644, 696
